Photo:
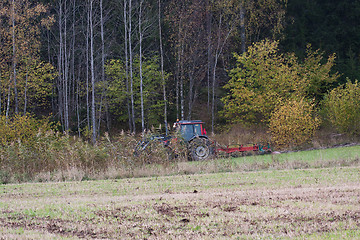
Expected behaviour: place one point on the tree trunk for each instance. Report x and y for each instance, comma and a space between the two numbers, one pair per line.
93, 110
182, 102
25, 91
178, 82
140, 70
162, 69
87, 72
242, 27
77, 98
73, 78
127, 66
209, 57
66, 75
14, 59
131, 70
102, 62
191, 94
60, 65
8, 100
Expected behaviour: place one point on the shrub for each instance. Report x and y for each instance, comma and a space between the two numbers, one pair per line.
24, 128
342, 108
293, 124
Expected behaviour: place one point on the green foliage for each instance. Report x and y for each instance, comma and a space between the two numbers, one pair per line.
342, 108
264, 78
119, 89
293, 124
317, 74
37, 80
34, 83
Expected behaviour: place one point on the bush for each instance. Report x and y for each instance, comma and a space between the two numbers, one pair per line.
24, 128
342, 108
293, 124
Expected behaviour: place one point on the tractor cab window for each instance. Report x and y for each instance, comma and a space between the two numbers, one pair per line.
197, 129
187, 131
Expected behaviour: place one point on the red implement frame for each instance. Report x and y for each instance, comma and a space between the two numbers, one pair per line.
242, 148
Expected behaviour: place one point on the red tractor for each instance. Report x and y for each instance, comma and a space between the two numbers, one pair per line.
194, 134
199, 146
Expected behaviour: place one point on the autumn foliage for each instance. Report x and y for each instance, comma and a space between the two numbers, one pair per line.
262, 79
342, 108
22, 128
293, 123
265, 88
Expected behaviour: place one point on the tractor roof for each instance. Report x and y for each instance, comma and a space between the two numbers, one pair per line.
190, 121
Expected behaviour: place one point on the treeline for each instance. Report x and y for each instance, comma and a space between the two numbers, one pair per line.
99, 65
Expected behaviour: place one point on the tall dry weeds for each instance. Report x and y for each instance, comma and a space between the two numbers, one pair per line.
55, 157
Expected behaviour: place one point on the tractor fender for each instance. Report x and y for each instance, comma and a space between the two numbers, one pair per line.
198, 136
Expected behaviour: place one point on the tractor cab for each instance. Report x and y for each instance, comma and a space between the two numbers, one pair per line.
190, 129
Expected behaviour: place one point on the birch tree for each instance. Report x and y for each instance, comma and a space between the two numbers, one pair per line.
126, 50
224, 23
162, 67
141, 35
92, 70
131, 67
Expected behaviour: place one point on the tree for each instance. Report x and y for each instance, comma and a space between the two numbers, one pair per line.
187, 37
92, 70
224, 25
152, 89
162, 67
20, 35
265, 19
264, 78
318, 73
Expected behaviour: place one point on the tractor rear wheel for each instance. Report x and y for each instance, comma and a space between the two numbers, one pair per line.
200, 149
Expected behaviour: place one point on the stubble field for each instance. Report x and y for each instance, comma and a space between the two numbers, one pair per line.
314, 203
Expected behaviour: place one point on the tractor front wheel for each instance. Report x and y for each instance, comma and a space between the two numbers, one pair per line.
200, 149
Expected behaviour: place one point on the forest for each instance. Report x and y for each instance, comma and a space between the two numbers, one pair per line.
97, 66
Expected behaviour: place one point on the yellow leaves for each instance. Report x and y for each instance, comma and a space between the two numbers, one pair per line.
33, 76
342, 107
48, 22
263, 77
25, 28
22, 128
293, 123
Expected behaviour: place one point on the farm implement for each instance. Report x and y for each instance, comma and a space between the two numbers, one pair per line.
198, 145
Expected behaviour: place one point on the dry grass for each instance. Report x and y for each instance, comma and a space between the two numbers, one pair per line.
57, 158
237, 135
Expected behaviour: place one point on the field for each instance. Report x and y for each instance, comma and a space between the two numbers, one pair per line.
311, 197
